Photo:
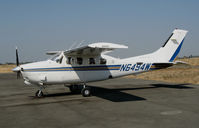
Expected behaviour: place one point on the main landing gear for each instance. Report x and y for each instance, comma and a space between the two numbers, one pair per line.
85, 90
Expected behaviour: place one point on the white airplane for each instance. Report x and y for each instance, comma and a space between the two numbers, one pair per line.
89, 63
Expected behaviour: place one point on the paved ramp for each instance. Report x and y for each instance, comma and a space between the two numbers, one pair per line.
115, 103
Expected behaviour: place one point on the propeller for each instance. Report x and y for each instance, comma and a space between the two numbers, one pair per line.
17, 63
17, 57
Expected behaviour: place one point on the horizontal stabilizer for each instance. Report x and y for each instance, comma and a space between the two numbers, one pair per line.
166, 65
162, 65
180, 62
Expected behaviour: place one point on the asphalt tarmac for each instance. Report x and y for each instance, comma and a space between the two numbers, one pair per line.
117, 103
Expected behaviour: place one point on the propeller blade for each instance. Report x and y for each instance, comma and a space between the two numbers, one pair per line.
17, 63
17, 57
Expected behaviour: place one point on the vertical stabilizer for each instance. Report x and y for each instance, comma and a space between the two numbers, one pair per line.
169, 51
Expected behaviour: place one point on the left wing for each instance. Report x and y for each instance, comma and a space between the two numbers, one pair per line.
94, 49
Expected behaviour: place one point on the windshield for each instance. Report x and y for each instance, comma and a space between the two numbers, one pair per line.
56, 57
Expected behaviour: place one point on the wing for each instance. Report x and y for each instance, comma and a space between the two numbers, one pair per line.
94, 49
52, 52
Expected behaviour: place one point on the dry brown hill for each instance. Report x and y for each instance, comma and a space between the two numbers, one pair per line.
177, 74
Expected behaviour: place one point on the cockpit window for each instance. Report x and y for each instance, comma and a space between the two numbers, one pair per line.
57, 58
102, 61
91, 61
79, 60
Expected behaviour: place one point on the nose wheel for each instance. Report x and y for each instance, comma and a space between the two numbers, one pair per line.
39, 94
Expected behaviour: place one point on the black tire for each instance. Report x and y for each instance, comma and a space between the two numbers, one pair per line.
86, 92
39, 94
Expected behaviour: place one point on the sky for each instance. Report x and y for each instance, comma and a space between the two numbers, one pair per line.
38, 26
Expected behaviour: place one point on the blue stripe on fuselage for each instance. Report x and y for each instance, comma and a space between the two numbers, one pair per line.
77, 68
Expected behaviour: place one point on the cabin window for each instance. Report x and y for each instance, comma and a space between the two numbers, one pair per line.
79, 60
102, 61
72, 61
91, 61
68, 61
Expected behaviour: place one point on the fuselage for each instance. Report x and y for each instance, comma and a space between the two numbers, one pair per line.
55, 72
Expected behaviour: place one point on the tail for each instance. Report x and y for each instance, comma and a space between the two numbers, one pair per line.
169, 51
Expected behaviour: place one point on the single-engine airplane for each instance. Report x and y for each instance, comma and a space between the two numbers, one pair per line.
89, 63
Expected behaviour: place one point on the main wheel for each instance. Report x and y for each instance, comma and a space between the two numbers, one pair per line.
86, 92
39, 94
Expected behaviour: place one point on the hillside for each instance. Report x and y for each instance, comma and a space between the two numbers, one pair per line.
176, 74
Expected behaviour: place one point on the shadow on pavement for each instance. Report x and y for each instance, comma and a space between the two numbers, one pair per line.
175, 86
116, 94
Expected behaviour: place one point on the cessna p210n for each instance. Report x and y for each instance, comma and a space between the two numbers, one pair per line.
89, 63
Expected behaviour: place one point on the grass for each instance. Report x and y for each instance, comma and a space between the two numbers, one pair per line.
175, 74
6, 68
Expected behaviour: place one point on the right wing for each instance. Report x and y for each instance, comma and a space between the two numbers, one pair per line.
93, 49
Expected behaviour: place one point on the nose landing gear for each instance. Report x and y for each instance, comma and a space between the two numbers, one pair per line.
39, 94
